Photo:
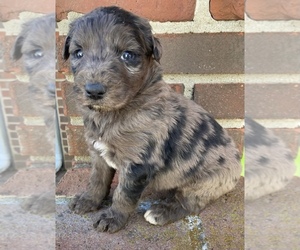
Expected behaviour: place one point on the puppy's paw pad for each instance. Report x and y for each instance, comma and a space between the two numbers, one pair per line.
150, 217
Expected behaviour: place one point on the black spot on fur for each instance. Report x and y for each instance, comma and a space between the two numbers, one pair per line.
188, 149
221, 160
216, 138
137, 178
170, 147
192, 172
149, 150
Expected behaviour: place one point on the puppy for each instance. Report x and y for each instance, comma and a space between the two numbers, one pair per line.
136, 124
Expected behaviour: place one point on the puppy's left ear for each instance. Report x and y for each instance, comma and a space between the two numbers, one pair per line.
66, 52
157, 49
16, 52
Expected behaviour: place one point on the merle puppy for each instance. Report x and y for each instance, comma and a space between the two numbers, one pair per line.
136, 124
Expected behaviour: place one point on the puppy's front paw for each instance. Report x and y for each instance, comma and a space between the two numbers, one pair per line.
110, 221
84, 203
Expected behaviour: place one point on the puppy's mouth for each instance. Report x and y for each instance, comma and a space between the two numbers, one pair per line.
94, 107
100, 108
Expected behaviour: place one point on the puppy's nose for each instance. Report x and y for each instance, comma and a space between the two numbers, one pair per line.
94, 90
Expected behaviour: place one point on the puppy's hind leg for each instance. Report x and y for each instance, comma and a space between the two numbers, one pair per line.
190, 199
166, 211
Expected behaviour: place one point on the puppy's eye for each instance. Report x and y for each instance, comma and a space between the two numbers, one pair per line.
37, 54
78, 53
128, 56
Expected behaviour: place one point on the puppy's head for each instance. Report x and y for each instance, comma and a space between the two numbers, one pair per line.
35, 45
111, 51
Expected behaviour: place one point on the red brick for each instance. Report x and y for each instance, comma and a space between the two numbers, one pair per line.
21, 98
7, 103
5, 93
272, 101
227, 9
203, 53
13, 119
223, 101
58, 93
31, 138
76, 141
273, 9
69, 100
70, 163
60, 76
10, 9
272, 53
8, 111
156, 10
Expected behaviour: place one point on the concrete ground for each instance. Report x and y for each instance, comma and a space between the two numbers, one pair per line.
273, 221
219, 226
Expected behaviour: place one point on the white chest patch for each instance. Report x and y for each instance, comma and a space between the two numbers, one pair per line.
103, 149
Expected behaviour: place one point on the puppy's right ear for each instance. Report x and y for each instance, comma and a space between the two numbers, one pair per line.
66, 52
157, 49
16, 52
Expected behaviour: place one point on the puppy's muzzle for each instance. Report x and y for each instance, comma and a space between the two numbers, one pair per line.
95, 91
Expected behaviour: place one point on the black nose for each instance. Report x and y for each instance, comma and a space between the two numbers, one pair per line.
94, 90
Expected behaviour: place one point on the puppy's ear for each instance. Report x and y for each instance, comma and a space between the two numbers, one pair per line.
16, 52
157, 49
66, 52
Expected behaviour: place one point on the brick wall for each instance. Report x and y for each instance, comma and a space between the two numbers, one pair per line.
212, 53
